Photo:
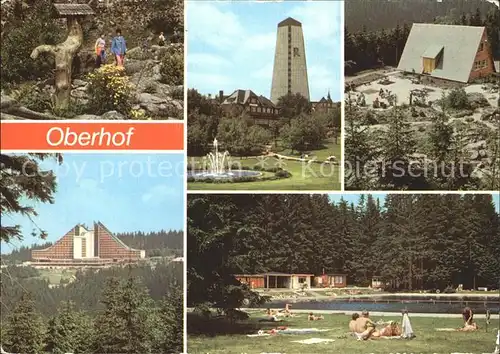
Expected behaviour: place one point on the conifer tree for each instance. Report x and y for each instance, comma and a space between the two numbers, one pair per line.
24, 332
70, 331
122, 327
21, 179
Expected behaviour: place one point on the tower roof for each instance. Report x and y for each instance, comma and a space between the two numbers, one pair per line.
289, 22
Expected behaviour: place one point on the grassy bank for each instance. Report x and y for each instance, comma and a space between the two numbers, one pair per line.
226, 338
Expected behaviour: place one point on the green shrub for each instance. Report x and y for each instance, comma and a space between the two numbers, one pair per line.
457, 99
177, 93
109, 89
283, 174
172, 68
22, 37
75, 108
31, 97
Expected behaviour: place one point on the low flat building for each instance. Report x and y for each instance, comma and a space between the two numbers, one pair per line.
334, 280
276, 280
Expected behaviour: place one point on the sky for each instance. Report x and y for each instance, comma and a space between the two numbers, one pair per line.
354, 198
126, 192
231, 44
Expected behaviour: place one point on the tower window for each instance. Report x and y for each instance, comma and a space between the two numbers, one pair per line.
296, 52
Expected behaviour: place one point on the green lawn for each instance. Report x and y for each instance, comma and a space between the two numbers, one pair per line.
54, 276
305, 176
427, 340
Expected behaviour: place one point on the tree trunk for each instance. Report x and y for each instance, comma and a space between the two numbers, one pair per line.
63, 54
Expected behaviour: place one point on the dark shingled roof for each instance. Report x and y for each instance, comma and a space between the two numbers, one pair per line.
289, 22
64, 10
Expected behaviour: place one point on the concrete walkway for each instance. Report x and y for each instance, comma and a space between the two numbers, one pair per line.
494, 317
291, 158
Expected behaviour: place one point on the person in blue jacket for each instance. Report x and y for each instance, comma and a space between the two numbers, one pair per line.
119, 47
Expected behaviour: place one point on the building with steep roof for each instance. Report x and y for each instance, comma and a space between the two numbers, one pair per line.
325, 105
258, 107
82, 247
449, 52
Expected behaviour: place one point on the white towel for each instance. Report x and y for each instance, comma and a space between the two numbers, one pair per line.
314, 341
407, 329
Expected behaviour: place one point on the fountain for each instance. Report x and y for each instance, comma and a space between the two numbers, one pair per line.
216, 165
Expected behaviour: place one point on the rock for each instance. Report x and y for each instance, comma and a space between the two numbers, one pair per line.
135, 53
7, 101
113, 115
477, 146
477, 100
81, 94
87, 117
474, 155
483, 153
26, 113
147, 98
79, 83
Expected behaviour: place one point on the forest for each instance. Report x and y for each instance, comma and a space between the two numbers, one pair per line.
116, 310
413, 241
376, 31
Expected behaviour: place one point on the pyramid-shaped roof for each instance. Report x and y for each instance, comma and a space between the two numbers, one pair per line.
289, 22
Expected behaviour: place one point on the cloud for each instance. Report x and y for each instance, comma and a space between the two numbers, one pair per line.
264, 72
324, 77
159, 194
260, 42
321, 20
205, 59
212, 25
208, 79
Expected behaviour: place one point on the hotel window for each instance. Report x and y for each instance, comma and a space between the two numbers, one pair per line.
483, 64
338, 280
302, 280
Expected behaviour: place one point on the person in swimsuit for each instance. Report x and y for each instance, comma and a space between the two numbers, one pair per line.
352, 324
311, 317
365, 327
468, 316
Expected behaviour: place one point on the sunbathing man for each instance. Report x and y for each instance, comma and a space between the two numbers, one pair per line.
391, 330
365, 327
311, 317
271, 316
352, 324
469, 327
